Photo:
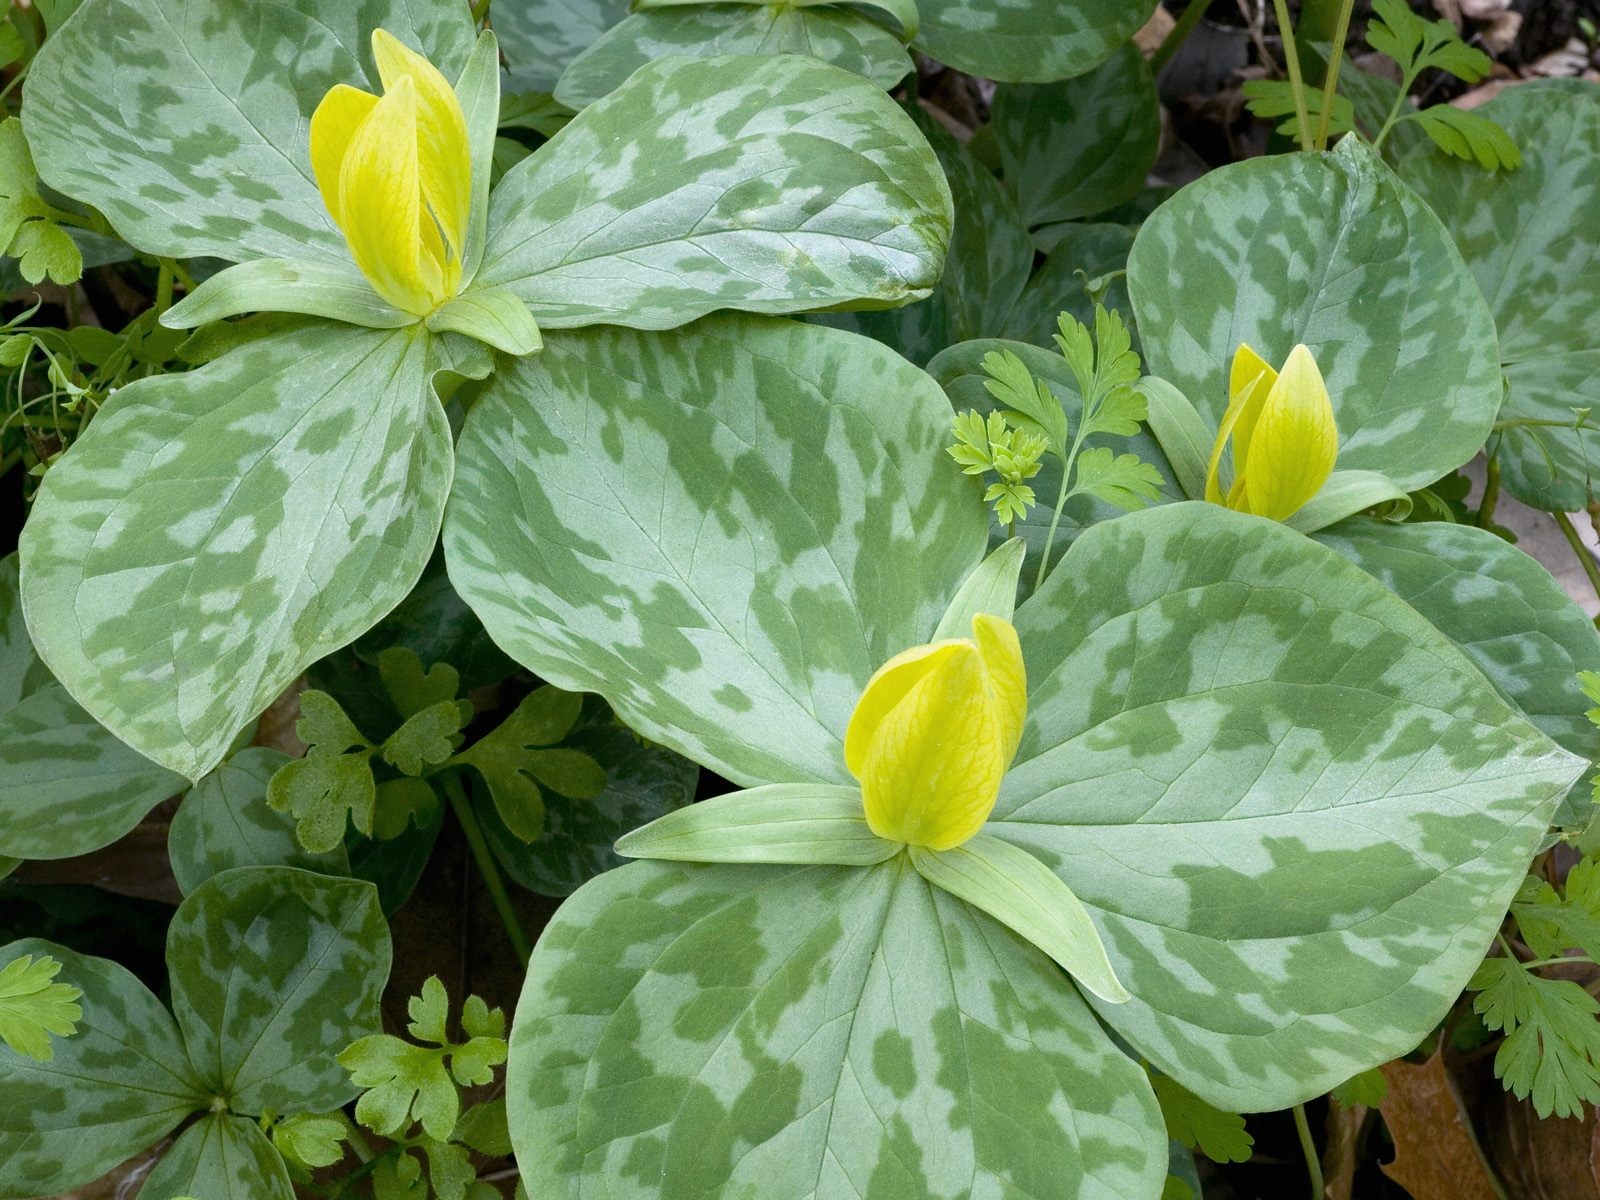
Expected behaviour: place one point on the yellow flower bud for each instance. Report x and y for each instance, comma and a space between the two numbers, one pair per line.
934, 732
1284, 437
396, 175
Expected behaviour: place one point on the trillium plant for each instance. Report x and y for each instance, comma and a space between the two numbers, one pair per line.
986, 658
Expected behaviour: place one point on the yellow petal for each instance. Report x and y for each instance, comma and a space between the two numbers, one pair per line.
1001, 652
1252, 374
381, 205
333, 125
887, 687
933, 770
1295, 441
1245, 399
444, 159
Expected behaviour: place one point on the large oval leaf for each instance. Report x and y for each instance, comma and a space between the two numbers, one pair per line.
1078, 147
186, 121
724, 530
220, 1157
1326, 807
540, 37
1330, 250
67, 784
837, 1033
118, 1084
847, 39
274, 971
776, 184
1027, 41
213, 534
1504, 609
1532, 239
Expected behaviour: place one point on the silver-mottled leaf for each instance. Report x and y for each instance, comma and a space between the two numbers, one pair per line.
220, 1157
1027, 41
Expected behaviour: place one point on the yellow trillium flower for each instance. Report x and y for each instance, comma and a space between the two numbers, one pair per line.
1284, 437
396, 175
933, 734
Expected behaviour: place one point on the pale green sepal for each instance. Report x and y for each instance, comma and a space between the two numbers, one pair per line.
1345, 494
1030, 899
494, 316
1181, 430
337, 291
805, 824
991, 588
478, 90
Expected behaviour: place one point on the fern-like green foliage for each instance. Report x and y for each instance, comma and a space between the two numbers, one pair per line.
1220, 1136
34, 1008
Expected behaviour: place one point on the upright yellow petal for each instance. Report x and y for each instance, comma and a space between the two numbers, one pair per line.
444, 158
333, 125
381, 205
887, 687
1244, 401
1253, 375
1001, 652
934, 769
1295, 441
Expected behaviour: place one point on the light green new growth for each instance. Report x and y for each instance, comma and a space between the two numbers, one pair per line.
33, 1007
991, 444
1220, 1136
421, 1083
1105, 366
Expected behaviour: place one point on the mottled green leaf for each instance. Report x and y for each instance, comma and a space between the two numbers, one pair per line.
220, 1157
1328, 808
1027, 41
622, 527
1330, 250
186, 122
539, 38
67, 786
1532, 239
848, 39
985, 271
214, 533
1081, 256
776, 184
1500, 606
643, 782
119, 1084
960, 371
225, 822
1078, 147
274, 971
840, 1033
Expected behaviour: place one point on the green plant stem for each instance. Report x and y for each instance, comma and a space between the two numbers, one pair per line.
1560, 959
1313, 1163
1180, 32
480, 10
1330, 88
1061, 499
1491, 493
164, 283
1585, 559
462, 807
1291, 61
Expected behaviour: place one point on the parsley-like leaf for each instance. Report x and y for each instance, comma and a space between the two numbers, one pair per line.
33, 1007
1469, 135
1123, 480
1273, 100
28, 226
1220, 1136
1032, 406
310, 1141
1419, 45
332, 780
1551, 1052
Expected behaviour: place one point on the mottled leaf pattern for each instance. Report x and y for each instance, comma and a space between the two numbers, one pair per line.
1327, 806
804, 1031
116, 1086
538, 38
215, 533
724, 531
1333, 251
67, 785
643, 782
186, 121
225, 822
1500, 606
848, 39
274, 971
220, 1157
1532, 239
766, 184
1081, 146
1027, 40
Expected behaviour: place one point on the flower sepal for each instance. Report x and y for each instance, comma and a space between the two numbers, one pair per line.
803, 824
